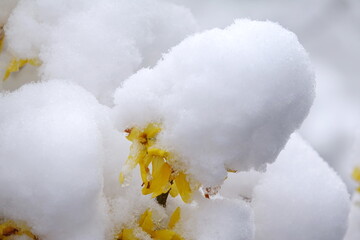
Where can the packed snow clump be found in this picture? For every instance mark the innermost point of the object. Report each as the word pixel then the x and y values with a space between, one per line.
pixel 300 197
pixel 51 152
pixel 226 99
pixel 96 44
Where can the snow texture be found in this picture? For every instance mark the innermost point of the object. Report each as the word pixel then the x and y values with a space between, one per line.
pixel 219 219
pixel 227 99
pixel 240 185
pixel 51 153
pixel 96 44
pixel 353 232
pixel 300 198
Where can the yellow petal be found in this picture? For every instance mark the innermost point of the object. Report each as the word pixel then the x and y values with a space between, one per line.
pixel 145 173
pixel 34 62
pixel 13 66
pixel 152 130
pixel 121 178
pixel 126 234
pixel 174 191
pixel 164 234
pixel 16 64
pixel 161 177
pixel 356 174
pixel 1 44
pixel 146 222
pixel 2 37
pixel 133 134
pixel 146 189
pixel 10 228
pixel 157 152
pixel 140 155
pixel 183 187
pixel 175 217
pixel 177 237
pixel 157 163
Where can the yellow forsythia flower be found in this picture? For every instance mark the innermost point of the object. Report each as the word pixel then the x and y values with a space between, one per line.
pixel 2 37
pixel 146 223
pixel 16 64
pixel 356 176
pixel 161 177
pixel 10 229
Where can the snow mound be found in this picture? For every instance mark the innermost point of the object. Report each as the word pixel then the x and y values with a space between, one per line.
pixel 51 153
pixel 353 232
pixel 226 99
pixel 219 219
pixel 300 198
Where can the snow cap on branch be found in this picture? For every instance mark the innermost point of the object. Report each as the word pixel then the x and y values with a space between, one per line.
pixel 227 99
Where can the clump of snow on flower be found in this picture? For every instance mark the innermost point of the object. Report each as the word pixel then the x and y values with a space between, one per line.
pixel 51 152
pixel 96 43
pixel 300 197
pixel 227 99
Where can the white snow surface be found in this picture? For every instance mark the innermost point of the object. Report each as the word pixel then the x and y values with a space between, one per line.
pixel 218 219
pixel 353 232
pixel 96 44
pixel 240 185
pixel 51 161
pixel 227 99
pixel 300 197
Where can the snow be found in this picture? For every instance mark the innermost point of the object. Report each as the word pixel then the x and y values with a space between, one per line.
pixel 50 147
pixel 219 219
pixel 110 39
pixel 353 232
pixel 300 197
pixel 226 98
pixel 240 185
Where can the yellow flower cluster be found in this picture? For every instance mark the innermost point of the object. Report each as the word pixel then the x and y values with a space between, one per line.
pixel 147 224
pixel 162 178
pixel 9 229
pixel 356 176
